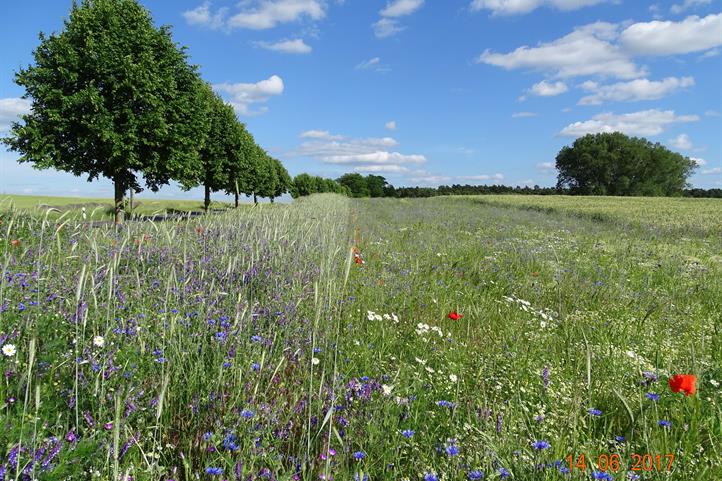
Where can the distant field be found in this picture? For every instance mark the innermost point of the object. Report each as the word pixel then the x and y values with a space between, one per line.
pixel 684 216
pixel 98 208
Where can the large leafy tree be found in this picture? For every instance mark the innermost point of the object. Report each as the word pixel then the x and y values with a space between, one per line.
pixel 112 96
pixel 356 184
pixel 220 140
pixel 262 181
pixel 615 164
pixel 283 180
pixel 240 164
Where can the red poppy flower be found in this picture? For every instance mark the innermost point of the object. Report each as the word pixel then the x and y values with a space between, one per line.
pixel 685 383
pixel 454 316
pixel 15 242
pixel 359 260
pixel 199 230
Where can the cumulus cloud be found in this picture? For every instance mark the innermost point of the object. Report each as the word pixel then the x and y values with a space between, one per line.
pixel 642 123
pixel 634 90
pixel 693 34
pixel 516 7
pixel 389 24
pixel 391 125
pixel 681 142
pixel 296 46
pixel 608 50
pixel 10 111
pixel 698 161
pixel 244 95
pixel 588 50
pixel 257 14
pixel 203 16
pixel 548 89
pixel 381 169
pixel 374 154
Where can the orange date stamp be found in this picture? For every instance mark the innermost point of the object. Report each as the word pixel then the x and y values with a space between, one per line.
pixel 615 462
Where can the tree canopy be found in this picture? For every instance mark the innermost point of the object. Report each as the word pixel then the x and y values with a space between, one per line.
pixel 112 96
pixel 615 164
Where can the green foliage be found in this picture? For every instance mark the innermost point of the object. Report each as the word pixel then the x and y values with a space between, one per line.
pixel 356 183
pixel 614 164
pixel 112 96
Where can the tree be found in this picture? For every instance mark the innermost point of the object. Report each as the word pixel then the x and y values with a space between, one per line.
pixel 112 96
pixel 240 163
pixel 263 179
pixel 356 183
pixel 615 164
pixel 284 180
pixel 376 184
pixel 303 185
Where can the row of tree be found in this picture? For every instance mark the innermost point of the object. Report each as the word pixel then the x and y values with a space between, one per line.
pixel 113 96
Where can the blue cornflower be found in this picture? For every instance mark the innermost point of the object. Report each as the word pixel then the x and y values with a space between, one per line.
pixel 594 412
pixel 539 445
pixel 650 375
pixel 602 475
pixel 227 364
pixel 247 414
pixel 445 404
pixel 207 435
pixel 431 477
pixel 452 450
pixel 21 307
pixel 652 396
pixel 214 471
pixel 619 439
pixel 664 423
pixel 357 478
pixel 255 366
pixel 229 442
pixel 256 338
pixel 475 475
pixel 503 473
pixel 161 360
pixel 316 350
pixel 407 433
pixel 358 455
pixel 563 469
pixel 633 476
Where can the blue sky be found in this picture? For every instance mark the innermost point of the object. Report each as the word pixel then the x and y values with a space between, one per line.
pixel 426 92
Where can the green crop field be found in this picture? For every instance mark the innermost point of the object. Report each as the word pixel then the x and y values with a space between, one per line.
pixel 96 208
pixel 450 338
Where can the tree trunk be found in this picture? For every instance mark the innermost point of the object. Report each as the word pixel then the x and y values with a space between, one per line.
pixel 271 200
pixel 119 199
pixel 255 199
pixel 207 199
pixel 236 200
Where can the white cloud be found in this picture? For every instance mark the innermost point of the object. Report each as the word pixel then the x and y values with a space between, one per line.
pixel 643 123
pixel 386 27
pixel 203 16
pixel 375 169
pixel 693 34
pixel 423 177
pixel 715 170
pixel 608 50
pixel 712 113
pixel 297 46
pixel 319 134
pixel 374 154
pixel 698 161
pixel 546 167
pixel 244 95
pixel 401 8
pixel 634 90
pixel 515 7
pixel 256 14
pixel 548 89
pixel 586 51
pixel 388 24
pixel 391 125
pixel 681 142
pixel 10 111
pixel 521 115
pixel 687 4
pixel 373 64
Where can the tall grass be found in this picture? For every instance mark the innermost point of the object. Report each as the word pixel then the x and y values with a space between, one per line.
pixel 258 345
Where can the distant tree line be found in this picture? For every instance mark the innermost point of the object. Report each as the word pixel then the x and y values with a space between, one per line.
pixel 596 164
pixel 113 96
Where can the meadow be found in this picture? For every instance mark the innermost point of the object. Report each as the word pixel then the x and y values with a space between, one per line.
pixel 452 338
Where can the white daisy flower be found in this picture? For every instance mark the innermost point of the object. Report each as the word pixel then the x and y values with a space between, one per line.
pixel 98 341
pixel 9 350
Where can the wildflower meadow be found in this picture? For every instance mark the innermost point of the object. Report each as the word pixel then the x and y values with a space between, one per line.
pixel 454 338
